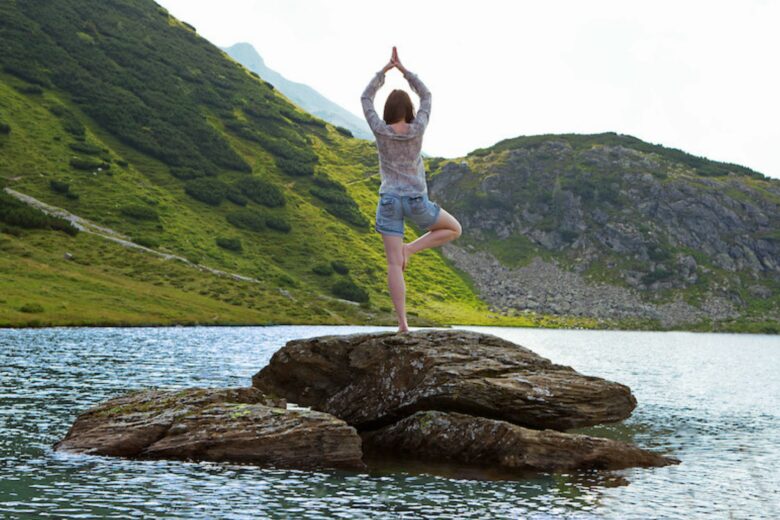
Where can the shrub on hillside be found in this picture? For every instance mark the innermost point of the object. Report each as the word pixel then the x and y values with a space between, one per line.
pixel 338 202
pixel 139 212
pixel 146 241
pixel 16 213
pixel 88 163
pixel 235 196
pixel 34 90
pixel 349 214
pixel 656 276
pixel 339 266
pixel 59 186
pixel 568 235
pixel 348 290
pixel 278 223
pixel 5 128
pixel 658 253
pixel 301 117
pixel 89 149
pixel 193 171
pixel 231 244
pixel 331 195
pixel 26 72
pixel 294 167
pixel 326 182
pixel 344 131
pixel 207 189
pixel 31 308
pixel 70 123
pixel 10 230
pixel 322 269
pixel 185 172
pixel 434 163
pixel 261 191
pixel 250 219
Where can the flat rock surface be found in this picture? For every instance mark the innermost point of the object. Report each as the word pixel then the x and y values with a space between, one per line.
pixel 455 437
pixel 373 379
pixel 217 424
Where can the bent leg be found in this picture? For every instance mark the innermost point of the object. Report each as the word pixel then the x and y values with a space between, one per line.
pixel 445 229
pixel 395 277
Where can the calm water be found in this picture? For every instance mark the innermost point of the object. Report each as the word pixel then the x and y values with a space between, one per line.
pixel 711 400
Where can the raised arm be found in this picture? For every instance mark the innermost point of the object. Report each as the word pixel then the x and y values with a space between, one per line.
pixel 424 112
pixel 367 100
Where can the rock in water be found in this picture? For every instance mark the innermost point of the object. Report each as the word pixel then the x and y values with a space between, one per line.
pixel 432 395
pixel 217 424
pixel 371 380
pixel 455 437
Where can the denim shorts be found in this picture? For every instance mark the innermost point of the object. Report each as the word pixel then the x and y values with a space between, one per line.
pixel 392 208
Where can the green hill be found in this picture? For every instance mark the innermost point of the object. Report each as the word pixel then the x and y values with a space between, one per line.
pixel 120 114
pixel 609 226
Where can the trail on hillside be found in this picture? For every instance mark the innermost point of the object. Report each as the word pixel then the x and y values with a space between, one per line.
pixel 87 226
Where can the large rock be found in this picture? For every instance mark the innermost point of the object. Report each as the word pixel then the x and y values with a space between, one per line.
pixel 371 380
pixel 228 424
pixel 465 439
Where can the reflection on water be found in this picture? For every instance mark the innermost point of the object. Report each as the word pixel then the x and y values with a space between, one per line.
pixel 712 400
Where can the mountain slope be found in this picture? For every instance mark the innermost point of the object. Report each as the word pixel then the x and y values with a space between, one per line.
pixel 610 226
pixel 299 93
pixel 121 114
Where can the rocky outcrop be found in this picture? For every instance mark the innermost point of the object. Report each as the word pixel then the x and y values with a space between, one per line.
pixel 230 424
pixel 544 287
pixel 454 396
pixel 448 396
pixel 370 380
pixel 609 227
pixel 465 439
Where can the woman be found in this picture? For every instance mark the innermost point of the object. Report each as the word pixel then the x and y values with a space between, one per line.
pixel 403 191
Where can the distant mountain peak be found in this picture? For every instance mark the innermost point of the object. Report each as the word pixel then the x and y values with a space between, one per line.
pixel 299 93
pixel 246 54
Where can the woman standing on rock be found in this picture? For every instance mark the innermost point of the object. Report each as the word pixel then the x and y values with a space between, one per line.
pixel 404 191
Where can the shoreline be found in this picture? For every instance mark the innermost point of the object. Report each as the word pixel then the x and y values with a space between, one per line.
pixel 445 326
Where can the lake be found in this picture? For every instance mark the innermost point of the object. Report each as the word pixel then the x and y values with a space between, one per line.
pixel 712 400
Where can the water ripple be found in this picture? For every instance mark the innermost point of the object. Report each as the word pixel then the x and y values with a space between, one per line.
pixel 711 400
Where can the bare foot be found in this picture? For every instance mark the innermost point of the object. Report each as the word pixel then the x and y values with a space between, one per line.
pixel 403 329
pixel 407 254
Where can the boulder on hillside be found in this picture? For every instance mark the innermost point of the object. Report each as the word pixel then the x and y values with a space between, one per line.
pixel 465 439
pixel 216 424
pixel 374 379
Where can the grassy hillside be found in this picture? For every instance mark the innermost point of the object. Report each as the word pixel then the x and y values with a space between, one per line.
pixel 123 115
pixel 118 113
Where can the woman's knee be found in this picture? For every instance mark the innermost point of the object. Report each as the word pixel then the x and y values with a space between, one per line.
pixel 457 230
pixel 447 221
pixel 395 259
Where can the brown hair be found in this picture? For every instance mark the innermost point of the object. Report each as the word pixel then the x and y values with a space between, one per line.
pixel 398 106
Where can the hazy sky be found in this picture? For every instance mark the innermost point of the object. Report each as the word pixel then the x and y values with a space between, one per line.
pixel 697 75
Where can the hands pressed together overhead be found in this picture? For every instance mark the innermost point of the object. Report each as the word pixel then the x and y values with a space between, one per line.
pixel 394 62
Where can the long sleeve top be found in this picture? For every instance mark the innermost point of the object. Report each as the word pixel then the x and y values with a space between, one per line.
pixel 401 166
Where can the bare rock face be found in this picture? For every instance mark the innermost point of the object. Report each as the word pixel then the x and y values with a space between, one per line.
pixel 218 424
pixel 465 439
pixel 372 380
